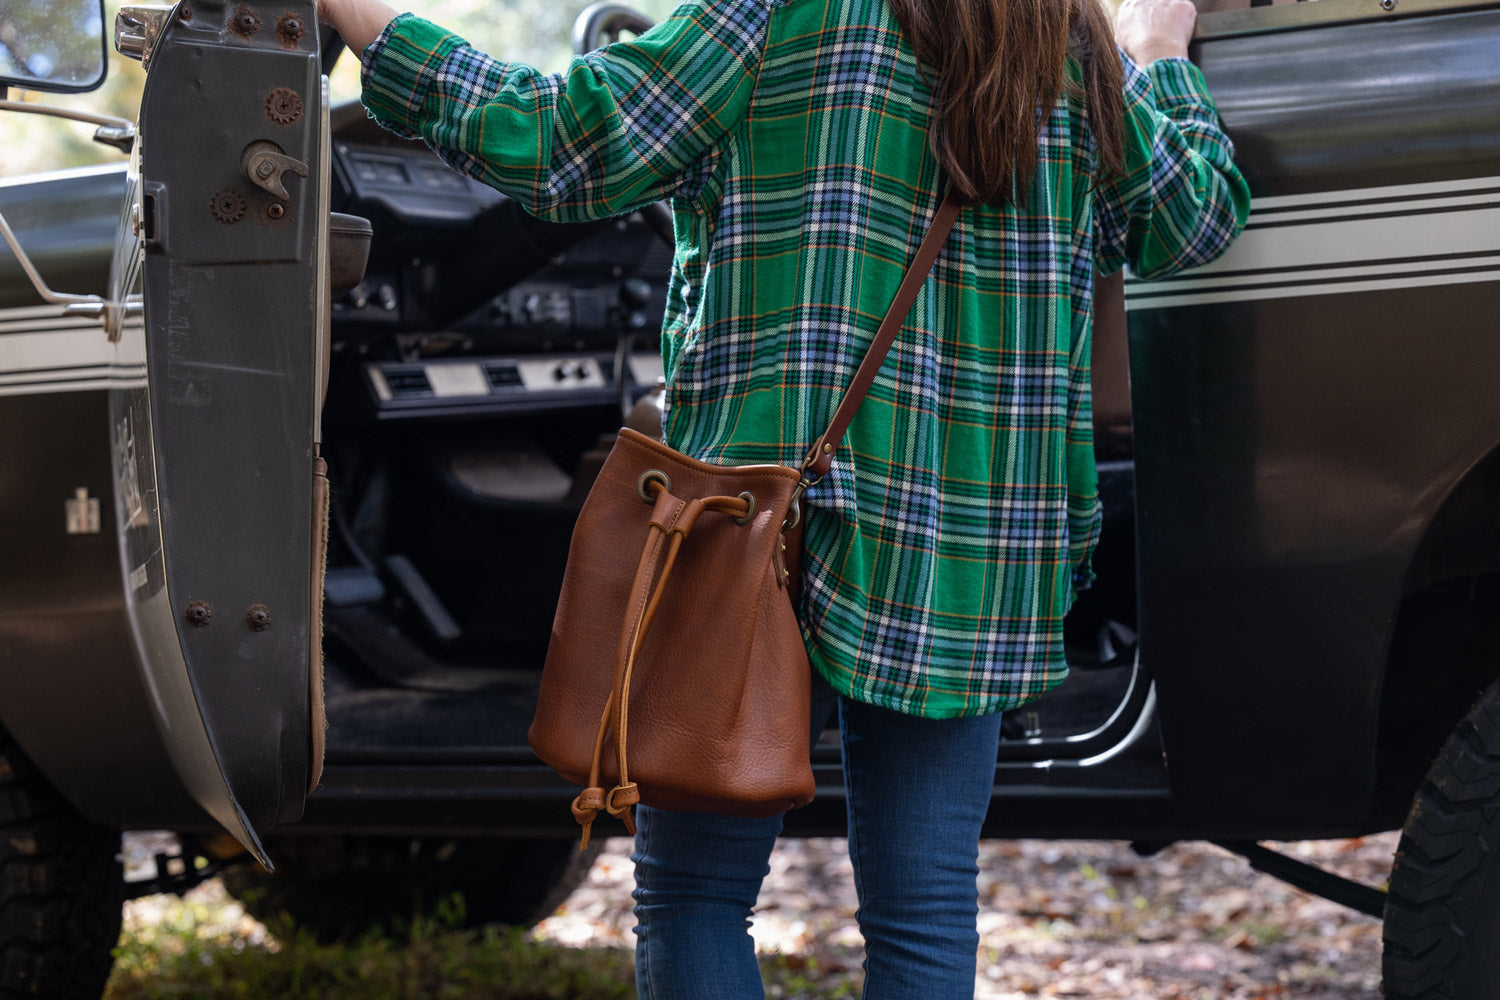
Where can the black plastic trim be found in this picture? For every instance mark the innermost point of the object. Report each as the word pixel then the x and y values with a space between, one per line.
pixel 1346 892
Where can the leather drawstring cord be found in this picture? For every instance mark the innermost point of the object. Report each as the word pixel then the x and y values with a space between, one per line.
pixel 671 520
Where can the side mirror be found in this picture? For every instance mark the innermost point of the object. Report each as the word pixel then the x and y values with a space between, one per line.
pixel 56 46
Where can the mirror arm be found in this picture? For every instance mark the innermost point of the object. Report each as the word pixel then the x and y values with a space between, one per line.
pixel 112 131
pixel 83 305
pixel 117 132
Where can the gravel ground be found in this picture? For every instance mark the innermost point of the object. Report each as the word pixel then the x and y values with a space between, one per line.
pixel 1081 919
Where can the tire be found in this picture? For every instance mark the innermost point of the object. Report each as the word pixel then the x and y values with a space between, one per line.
pixel 1442 918
pixel 59 890
pixel 343 887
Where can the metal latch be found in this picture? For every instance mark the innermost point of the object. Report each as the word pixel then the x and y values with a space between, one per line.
pixel 265 164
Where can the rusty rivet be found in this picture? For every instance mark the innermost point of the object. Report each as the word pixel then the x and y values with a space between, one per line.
pixel 244 22
pixel 258 617
pixel 276 211
pixel 199 613
pixel 289 30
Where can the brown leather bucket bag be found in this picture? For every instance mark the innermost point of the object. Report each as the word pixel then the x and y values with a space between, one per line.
pixel 705 689
pixel 677 674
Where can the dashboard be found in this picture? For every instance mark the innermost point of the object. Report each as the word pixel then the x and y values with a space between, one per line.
pixel 471 306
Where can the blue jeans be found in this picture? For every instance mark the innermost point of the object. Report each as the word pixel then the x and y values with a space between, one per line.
pixel 917 792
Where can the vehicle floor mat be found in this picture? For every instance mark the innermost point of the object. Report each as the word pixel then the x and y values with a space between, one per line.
pixel 372 642
pixel 366 718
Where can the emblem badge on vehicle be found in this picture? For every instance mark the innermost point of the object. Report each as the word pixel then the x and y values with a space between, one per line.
pixel 83 513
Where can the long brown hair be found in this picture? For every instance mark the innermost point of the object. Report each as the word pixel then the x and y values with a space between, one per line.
pixel 1000 66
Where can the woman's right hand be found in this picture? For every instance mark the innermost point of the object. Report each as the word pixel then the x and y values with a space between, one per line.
pixel 1155 29
pixel 359 22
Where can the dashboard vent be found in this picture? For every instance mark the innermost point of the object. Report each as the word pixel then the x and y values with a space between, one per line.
pixel 503 377
pixel 407 382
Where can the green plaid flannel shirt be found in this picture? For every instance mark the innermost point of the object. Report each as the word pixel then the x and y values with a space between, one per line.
pixel 790 137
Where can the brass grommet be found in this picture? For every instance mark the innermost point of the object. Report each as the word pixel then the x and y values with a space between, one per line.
pixel 645 478
pixel 749 499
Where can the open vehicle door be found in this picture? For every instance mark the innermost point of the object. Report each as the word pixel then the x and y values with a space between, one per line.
pixel 220 501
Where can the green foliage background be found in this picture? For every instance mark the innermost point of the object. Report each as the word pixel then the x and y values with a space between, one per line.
pixel 532 31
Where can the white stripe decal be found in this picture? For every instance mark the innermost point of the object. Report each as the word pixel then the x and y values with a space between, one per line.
pixel 82 385
pixel 1318 275
pixel 1295 291
pixel 1263 217
pixel 42 351
pixel 1335 248
pixel 1392 193
pixel 60 324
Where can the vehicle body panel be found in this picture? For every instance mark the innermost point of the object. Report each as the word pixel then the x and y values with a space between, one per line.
pixel 68 691
pixel 64 637
pixel 1304 405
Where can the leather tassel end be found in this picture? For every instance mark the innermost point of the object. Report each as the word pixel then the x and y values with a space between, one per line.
pixel 585 807
pixel 620 803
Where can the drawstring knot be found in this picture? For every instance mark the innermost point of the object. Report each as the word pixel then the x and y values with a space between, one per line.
pixel 671 520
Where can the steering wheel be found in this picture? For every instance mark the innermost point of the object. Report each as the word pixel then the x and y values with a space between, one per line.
pixel 602 23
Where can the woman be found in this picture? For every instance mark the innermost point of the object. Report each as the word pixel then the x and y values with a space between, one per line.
pixel 804 145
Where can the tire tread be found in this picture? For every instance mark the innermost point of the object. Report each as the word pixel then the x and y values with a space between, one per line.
pixel 1445 854
pixel 59 890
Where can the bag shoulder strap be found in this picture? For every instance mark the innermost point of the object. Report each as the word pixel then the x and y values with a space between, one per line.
pixel 820 458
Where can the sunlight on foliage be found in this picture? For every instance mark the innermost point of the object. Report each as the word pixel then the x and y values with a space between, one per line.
pixel 204 945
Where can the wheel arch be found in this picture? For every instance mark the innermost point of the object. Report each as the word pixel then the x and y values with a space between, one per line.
pixel 1463 538
pixel 1445 643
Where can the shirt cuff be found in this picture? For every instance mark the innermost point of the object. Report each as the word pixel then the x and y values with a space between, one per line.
pixel 398 70
pixel 1176 80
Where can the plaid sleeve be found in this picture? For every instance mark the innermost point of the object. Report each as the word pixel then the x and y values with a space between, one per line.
pixel 622 127
pixel 1180 200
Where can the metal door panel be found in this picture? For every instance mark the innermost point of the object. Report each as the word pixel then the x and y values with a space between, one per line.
pixel 214 454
